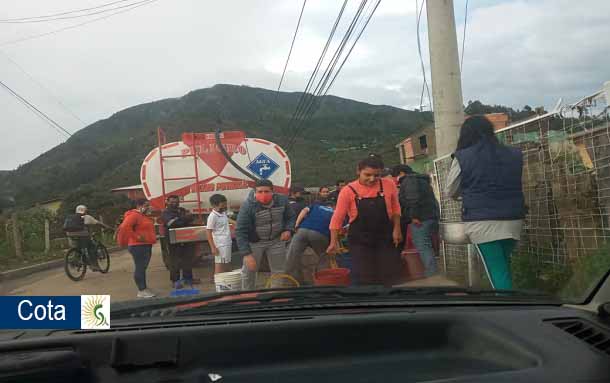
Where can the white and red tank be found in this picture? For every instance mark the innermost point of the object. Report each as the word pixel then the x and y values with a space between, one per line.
pixel 195 168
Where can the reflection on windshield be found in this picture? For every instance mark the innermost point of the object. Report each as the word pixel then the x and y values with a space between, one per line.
pixel 235 188
pixel 520 207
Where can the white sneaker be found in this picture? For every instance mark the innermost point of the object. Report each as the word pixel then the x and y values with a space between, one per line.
pixel 146 293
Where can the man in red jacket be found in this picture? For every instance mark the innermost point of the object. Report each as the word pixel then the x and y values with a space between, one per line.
pixel 139 231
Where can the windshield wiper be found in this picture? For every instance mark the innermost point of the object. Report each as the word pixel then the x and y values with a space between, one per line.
pixel 323 295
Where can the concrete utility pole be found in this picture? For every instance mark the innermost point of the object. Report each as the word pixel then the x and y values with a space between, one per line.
pixel 446 76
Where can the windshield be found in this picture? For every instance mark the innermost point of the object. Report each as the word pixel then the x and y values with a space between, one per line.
pixel 158 149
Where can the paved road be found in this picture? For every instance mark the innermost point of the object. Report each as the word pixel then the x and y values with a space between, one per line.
pixel 118 282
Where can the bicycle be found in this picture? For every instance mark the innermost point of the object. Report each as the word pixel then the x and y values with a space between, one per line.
pixel 75 263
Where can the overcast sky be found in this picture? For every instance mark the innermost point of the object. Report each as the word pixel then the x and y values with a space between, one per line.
pixel 517 53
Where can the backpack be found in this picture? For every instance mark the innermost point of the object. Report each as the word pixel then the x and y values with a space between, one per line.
pixel 74 222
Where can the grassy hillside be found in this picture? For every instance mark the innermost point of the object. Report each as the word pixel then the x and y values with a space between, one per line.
pixel 109 152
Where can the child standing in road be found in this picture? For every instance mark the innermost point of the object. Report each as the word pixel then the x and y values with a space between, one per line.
pixel 219 234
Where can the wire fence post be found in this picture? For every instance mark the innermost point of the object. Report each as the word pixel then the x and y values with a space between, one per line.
pixel 47 236
pixel 16 236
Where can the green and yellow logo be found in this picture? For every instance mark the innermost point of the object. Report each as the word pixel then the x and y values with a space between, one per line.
pixel 93 311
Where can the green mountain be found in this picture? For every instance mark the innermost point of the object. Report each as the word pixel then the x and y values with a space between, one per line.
pixel 109 152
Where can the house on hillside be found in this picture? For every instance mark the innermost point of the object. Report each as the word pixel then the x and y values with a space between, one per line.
pixel 419 148
pixel 419 145
pixel 52 205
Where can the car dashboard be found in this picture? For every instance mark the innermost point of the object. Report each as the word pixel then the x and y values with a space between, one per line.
pixel 457 343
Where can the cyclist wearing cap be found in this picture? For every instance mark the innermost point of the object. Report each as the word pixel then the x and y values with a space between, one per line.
pixel 77 226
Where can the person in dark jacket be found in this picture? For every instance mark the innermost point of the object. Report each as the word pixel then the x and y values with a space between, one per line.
pixel 297 202
pixel 419 209
pixel 338 187
pixel 181 255
pixel 264 226
pixel 487 176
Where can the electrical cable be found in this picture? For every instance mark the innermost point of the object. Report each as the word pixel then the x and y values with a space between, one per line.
pixel 464 37
pixel 73 16
pixel 421 58
pixel 309 108
pixel 324 89
pixel 44 88
pixel 37 111
pixel 314 73
pixel 303 99
pixel 66 12
pixel 32 37
pixel 290 51
pixel 305 102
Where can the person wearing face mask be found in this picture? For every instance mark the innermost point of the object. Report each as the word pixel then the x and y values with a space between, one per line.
pixel 265 224
pixel 181 255
pixel 371 203
pixel 139 232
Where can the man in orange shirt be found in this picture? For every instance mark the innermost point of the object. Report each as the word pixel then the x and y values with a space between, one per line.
pixel 371 202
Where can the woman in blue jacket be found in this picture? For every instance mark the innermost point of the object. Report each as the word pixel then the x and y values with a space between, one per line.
pixel 487 175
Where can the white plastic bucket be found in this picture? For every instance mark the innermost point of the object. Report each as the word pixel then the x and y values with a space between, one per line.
pixel 230 281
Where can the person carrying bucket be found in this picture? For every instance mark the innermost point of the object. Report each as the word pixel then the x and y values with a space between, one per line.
pixel 264 226
pixel 374 233
pixel 311 231
pixel 487 175
pixel 419 209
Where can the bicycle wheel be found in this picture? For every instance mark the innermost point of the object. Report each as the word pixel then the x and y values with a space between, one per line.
pixel 103 258
pixel 74 265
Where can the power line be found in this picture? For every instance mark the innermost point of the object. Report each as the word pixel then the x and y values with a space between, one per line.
pixel 66 12
pixel 308 106
pixel 75 25
pixel 303 100
pixel 425 87
pixel 73 16
pixel 308 118
pixel 37 111
pixel 324 88
pixel 315 71
pixel 464 37
pixel 290 51
pixel 44 88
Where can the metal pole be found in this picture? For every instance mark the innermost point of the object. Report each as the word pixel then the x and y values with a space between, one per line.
pixel 446 77
pixel 474 276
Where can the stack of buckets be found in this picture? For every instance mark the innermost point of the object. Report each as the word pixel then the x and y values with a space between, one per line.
pixel 230 281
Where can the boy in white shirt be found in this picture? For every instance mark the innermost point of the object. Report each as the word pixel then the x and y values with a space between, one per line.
pixel 219 234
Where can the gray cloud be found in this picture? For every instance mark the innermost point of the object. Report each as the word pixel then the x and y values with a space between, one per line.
pixel 517 53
